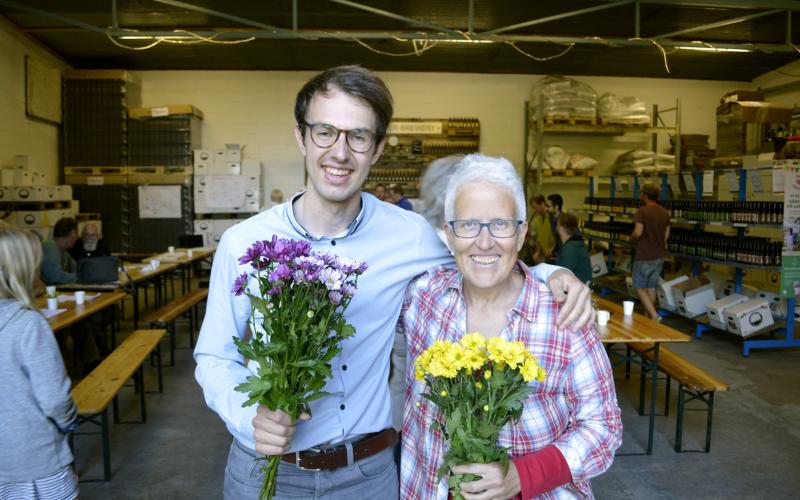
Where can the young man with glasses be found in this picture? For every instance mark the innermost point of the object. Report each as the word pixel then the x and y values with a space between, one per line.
pixel 346 448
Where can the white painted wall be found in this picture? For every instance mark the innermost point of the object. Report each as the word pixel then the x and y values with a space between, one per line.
pixel 786 74
pixel 20 135
pixel 255 108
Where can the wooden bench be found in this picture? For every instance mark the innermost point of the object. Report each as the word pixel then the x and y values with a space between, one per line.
pixel 165 317
pixel 101 387
pixel 694 383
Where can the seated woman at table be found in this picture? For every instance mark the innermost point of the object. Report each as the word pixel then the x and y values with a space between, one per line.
pixel 36 408
pixel 570 425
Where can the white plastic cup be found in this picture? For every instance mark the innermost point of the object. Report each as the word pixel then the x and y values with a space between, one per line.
pixel 155 263
pixel 171 249
pixel 627 307
pixel 52 303
pixel 51 291
pixel 80 296
pixel 190 253
pixel 602 317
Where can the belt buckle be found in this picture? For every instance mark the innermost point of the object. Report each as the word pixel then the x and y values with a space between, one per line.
pixel 297 463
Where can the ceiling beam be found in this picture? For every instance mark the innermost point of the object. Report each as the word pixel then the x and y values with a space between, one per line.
pixel 719 24
pixel 415 22
pixel 55 17
pixel 556 17
pixel 729 4
pixel 221 15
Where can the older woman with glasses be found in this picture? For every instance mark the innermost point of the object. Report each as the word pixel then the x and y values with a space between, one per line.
pixel 570 425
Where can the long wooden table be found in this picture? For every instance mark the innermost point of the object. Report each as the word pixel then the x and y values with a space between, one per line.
pixel 182 259
pixel 75 313
pixel 635 329
pixel 129 281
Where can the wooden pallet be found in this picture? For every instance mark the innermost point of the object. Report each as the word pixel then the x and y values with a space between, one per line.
pixel 572 120
pixel 95 176
pixel 727 162
pixel 623 122
pixel 566 173
pixel 159 175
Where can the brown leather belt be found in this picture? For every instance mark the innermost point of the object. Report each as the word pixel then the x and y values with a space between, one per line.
pixel 337 457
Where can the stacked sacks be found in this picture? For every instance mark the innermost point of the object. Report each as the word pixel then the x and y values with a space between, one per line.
pixel 639 161
pixel 563 98
pixel 627 110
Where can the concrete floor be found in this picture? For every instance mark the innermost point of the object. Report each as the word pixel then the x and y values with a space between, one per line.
pixel 755 453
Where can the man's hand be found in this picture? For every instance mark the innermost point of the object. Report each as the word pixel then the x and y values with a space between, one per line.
pixel 492 485
pixel 577 310
pixel 274 430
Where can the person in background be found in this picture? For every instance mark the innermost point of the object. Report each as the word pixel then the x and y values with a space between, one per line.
pixel 573 253
pixel 432 185
pixel 342 115
pixel 650 234
pixel 380 192
pixel 554 209
pixel 90 244
pixel 570 424
pixel 58 266
pixel 397 196
pixel 36 408
pixel 543 235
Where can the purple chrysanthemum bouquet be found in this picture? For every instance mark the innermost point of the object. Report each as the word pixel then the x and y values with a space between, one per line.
pixel 297 301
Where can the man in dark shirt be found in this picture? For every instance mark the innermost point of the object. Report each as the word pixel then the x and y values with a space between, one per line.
pixel 572 253
pixel 89 244
pixel 397 196
pixel 650 235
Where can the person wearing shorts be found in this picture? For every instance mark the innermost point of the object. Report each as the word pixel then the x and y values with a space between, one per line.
pixel 650 234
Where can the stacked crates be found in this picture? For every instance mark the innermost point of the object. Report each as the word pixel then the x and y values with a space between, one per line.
pixel 95 116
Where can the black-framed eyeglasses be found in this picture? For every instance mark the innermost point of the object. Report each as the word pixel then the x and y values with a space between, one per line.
pixel 499 228
pixel 325 136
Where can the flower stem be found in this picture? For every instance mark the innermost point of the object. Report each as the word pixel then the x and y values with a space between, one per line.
pixel 270 471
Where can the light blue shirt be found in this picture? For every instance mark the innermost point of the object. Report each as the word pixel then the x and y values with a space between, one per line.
pixel 397 245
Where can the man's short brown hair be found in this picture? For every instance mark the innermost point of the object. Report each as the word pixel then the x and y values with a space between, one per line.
pixel 569 222
pixel 651 191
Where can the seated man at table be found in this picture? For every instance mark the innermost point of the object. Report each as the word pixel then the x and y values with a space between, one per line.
pixel 90 244
pixel 58 266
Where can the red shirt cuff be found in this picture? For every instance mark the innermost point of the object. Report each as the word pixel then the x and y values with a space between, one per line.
pixel 542 471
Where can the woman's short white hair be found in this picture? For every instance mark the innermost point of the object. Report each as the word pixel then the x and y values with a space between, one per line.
pixel 481 168
pixel 20 255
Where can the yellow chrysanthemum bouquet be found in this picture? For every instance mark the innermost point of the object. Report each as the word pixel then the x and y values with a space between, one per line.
pixel 479 385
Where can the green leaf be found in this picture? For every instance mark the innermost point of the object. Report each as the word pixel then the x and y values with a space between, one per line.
pixel 315 396
pixel 305 363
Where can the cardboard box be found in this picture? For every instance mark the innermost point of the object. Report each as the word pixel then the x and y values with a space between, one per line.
pixel 251 168
pixel 29 193
pixel 756 112
pixel 664 292
pixel 233 152
pixel 749 318
pixel 7 177
pixel 226 194
pixel 692 296
pixel 63 192
pixel 42 232
pixel 172 109
pixel 716 309
pixel 742 95
pixel 598 262
pixel 37 218
pixel 6 193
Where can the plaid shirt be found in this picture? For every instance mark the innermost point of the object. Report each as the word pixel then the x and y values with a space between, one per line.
pixel 575 408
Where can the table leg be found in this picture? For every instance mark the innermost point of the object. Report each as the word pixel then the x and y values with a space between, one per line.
pixel 653 393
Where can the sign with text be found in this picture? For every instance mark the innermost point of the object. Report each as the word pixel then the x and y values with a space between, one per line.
pixel 415 128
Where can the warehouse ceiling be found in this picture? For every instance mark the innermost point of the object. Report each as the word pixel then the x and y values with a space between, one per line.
pixel 712 39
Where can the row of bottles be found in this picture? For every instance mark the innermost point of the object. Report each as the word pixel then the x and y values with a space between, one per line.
pixel 750 250
pixel 463 126
pixel 613 230
pixel 749 212
pixel 614 205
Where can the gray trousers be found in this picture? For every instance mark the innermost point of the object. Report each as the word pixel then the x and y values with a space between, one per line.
pixel 366 478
